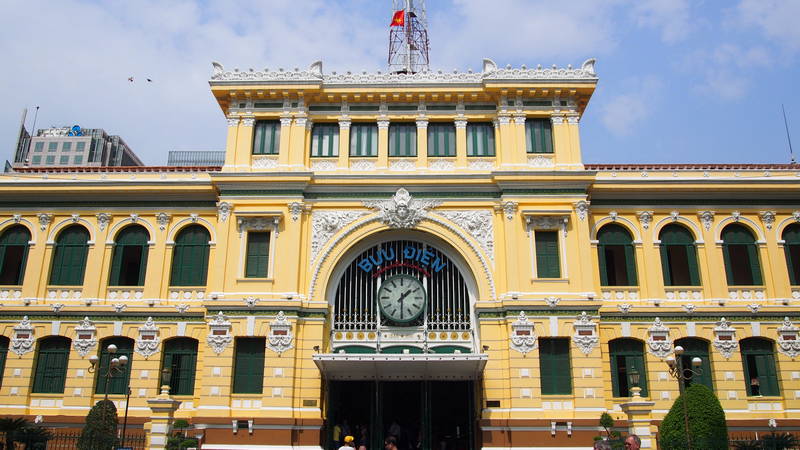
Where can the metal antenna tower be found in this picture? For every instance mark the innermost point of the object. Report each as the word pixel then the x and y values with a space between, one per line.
pixel 408 37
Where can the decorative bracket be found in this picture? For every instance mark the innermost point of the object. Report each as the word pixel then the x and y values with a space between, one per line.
pixel 523 338
pixel 86 338
pixel 585 333
pixel 725 338
pixel 22 342
pixel 280 334
pixel 148 341
pixel 219 334
pixel 788 342
pixel 658 341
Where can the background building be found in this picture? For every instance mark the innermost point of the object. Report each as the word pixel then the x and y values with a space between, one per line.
pixel 196 158
pixel 426 249
pixel 72 146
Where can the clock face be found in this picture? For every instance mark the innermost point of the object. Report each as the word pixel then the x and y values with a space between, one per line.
pixel 402 298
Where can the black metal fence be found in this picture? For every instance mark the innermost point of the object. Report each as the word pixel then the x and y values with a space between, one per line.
pixel 61 439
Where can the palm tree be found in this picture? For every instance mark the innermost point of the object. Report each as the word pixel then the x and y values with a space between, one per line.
pixel 12 428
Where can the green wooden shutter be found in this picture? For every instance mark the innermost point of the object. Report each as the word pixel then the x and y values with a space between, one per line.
pixel 791 247
pixel 257 260
pixel 3 356
pixel 266 137
pixel 180 356
pixel 791 263
pixel 190 257
pixel 325 140
pixel 625 354
pixel 665 269
pixel 547 258
pixel 755 267
pixel 480 139
pixel 601 262
pixel 441 139
pixel 402 139
pixel 538 136
pixel 694 272
pixel 726 255
pixel 630 265
pixel 556 376
pixel 637 361
pixel 51 365
pixel 364 139
pixel 248 370
pixel 14 240
pixel 69 257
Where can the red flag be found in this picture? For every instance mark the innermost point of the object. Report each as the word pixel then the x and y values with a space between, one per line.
pixel 398 19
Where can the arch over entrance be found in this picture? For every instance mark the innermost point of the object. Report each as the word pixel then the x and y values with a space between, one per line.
pixel 402 292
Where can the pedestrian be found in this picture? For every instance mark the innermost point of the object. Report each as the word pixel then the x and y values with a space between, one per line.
pixel 632 442
pixel 601 445
pixel 337 436
pixel 362 440
pixel 755 387
pixel 390 443
pixel 348 443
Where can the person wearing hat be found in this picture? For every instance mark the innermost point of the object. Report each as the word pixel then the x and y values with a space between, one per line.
pixel 348 443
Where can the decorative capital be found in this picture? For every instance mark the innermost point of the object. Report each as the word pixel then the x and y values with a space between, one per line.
pixel 461 123
pixel 519 119
pixel 768 218
pixel 557 120
pixel 581 208
pixel 508 207
pixel 504 120
pixel 103 219
pixel 383 123
pixel 422 123
pixel 233 121
pixel 286 121
pixel 248 121
pixel 224 210
pixel 44 220
pixel 402 211
pixel 645 218
pixel 297 208
pixel 162 219
pixel 707 218
pixel 344 123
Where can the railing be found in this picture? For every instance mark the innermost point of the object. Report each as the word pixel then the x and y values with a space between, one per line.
pixel 61 439
pixel 620 292
pixel 683 292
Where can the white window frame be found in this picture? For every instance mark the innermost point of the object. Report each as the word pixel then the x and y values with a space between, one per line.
pixel 258 222
pixel 544 221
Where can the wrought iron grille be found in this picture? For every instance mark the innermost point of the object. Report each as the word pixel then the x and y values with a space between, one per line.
pixel 355 304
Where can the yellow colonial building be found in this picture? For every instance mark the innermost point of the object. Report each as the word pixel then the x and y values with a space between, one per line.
pixel 422 254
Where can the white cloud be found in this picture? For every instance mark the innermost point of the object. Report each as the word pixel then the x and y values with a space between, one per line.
pixel 622 113
pixel 671 17
pixel 776 19
pixel 726 70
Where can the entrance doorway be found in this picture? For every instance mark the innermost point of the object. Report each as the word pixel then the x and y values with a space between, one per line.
pixel 428 415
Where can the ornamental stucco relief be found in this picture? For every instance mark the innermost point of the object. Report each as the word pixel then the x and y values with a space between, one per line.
pixel 478 224
pixel 325 224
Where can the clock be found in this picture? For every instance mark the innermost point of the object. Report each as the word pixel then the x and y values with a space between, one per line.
pixel 402 298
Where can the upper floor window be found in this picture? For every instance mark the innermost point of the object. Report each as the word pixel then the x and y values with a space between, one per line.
pixel 257 262
pixel 616 257
pixel 13 254
pixel 548 264
pixel 538 136
pixel 402 139
pixel 740 252
pixel 364 139
pixel 266 139
pixel 66 147
pixel 129 261
pixel 791 245
pixel 52 146
pixel 758 358
pixel 325 140
pixel 50 372
pixel 441 139
pixel 480 139
pixel 190 257
pixel 678 257
pixel 69 256
pixel 80 146
pixel 626 355
pixel 39 146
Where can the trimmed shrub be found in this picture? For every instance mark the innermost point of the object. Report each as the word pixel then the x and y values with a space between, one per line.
pixel 707 425
pixel 100 431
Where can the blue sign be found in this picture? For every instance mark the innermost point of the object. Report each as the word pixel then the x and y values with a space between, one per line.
pixel 415 255
pixel 75 131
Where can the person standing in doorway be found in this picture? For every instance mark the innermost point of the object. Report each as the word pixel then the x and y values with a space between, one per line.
pixel 336 436
pixel 348 443
pixel 755 387
pixel 390 443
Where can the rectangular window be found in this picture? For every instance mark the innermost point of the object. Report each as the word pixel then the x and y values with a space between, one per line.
pixel 51 159
pixel 441 139
pixel 248 369
pixel 64 159
pixel 52 146
pixel 554 365
pixel 66 147
pixel 539 136
pixel 38 147
pixel 403 139
pixel 364 139
pixel 325 140
pixel 78 159
pixel 547 260
pixel 266 140
pixel 80 146
pixel 480 139
pixel 37 159
pixel 257 262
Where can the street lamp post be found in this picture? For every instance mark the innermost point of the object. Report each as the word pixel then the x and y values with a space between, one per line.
pixel 682 374
pixel 115 365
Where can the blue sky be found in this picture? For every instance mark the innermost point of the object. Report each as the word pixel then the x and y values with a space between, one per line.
pixel 680 80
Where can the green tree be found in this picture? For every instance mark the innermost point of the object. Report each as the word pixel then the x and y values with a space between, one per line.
pixel 100 431
pixel 707 427
pixel 12 428
pixel 779 441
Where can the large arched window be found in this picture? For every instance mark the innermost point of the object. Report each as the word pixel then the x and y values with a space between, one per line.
pixel 129 262
pixel 616 258
pixel 627 354
pixel 694 347
pixel 118 383
pixel 180 358
pixel 741 256
pixel 3 354
pixel 50 372
pixel 190 257
pixel 791 239
pixel 678 257
pixel 13 255
pixel 69 256
pixel 758 358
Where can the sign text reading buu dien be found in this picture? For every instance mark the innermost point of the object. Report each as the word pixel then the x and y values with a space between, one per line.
pixel 410 253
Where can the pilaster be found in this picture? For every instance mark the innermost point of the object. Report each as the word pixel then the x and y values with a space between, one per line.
pixel 461 142
pixel 244 144
pixel 422 142
pixel 383 142
pixel 283 145
pixel 344 142
pixel 230 144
